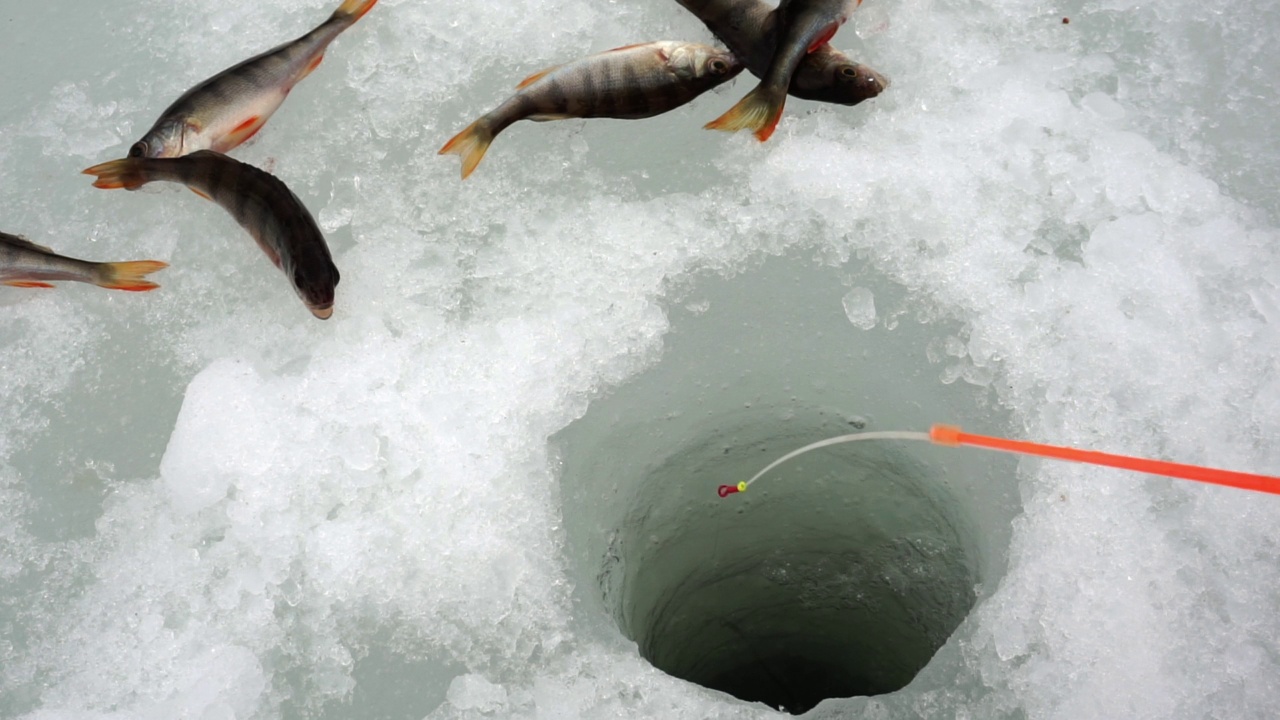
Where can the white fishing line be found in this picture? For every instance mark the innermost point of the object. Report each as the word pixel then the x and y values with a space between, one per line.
pixel 840 440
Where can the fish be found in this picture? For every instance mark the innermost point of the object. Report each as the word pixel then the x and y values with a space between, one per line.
pixel 629 82
pixel 28 265
pixel 231 107
pixel 749 28
pixel 263 205
pixel 802 27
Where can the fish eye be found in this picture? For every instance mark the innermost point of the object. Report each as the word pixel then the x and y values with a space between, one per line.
pixel 138 150
pixel 849 72
pixel 718 67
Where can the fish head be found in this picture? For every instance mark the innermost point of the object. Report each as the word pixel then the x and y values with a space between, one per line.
pixel 315 283
pixel 695 61
pixel 832 77
pixel 166 140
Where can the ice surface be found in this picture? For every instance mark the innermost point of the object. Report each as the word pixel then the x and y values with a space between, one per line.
pixel 213 505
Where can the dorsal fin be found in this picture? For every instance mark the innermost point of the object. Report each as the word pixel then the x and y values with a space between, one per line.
pixel 539 75
pixel 536 77
pixel 657 48
pixel 23 242
pixel 628 47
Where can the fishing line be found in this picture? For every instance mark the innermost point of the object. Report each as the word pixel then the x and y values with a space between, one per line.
pixel 953 436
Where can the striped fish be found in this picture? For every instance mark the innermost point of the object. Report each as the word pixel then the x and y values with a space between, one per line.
pixel 230 107
pixel 258 200
pixel 802 27
pixel 26 264
pixel 631 82
pixel 750 29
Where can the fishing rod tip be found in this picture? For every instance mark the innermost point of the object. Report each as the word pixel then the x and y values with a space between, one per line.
pixel 945 434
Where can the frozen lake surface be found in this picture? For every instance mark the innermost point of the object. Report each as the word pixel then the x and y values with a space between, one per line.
pixel 213 505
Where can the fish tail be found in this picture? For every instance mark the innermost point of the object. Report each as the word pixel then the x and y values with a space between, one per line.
pixel 126 173
pixel 128 275
pixel 471 144
pixel 353 10
pixel 758 112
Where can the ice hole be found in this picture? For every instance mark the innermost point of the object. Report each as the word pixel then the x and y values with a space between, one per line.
pixel 838 575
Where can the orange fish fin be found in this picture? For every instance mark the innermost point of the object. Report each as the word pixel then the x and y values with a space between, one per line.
pixel 766 132
pixel 249 137
pixel 311 66
pixel 662 54
pixel 126 173
pixel 245 130
pixel 535 77
pixel 758 112
pixel 627 47
pixel 26 284
pixel 824 37
pixel 247 124
pixel 129 275
pixel 201 193
pixel 355 9
pixel 471 144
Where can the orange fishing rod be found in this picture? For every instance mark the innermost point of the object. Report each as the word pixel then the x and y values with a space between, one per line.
pixel 952 436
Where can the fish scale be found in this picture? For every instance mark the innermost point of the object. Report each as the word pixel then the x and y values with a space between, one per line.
pixel 26 264
pixel 802 27
pixel 229 108
pixel 263 205
pixel 630 82
pixel 749 29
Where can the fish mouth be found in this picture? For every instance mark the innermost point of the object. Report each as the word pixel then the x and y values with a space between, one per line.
pixel 321 311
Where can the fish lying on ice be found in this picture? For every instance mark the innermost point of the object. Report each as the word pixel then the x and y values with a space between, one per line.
pixel 230 107
pixel 631 82
pixel 258 200
pixel 802 27
pixel 26 264
pixel 750 29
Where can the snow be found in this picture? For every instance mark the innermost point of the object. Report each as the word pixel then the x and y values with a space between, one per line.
pixel 213 505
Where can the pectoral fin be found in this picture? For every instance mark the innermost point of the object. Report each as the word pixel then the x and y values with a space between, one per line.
pixel 271 254
pixel 823 37
pixel 245 130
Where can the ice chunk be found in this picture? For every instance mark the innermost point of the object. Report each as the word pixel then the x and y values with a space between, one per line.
pixel 474 692
pixel 860 306
pixel 1104 106
pixel 205 454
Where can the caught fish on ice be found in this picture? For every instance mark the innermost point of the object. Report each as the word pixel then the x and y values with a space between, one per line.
pixel 750 30
pixel 26 264
pixel 629 83
pixel 803 26
pixel 263 205
pixel 230 107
